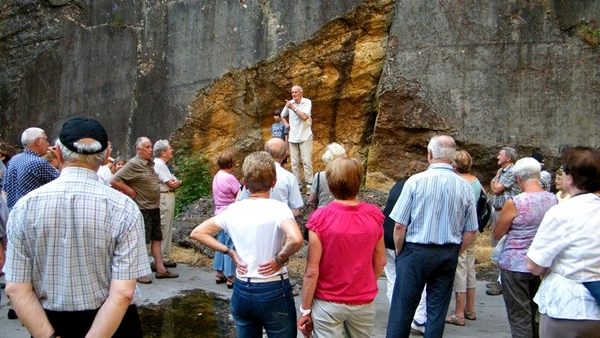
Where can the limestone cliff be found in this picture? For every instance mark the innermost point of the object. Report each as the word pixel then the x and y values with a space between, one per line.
pixel 339 69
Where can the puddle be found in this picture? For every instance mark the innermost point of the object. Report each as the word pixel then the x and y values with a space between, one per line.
pixel 193 314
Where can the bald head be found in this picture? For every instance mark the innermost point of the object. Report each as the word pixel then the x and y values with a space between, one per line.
pixel 276 148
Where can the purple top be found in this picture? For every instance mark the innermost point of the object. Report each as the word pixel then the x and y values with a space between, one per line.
pixel 531 208
pixel 225 188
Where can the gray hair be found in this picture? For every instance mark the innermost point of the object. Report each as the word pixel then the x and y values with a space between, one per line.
pixel 30 135
pixel 299 88
pixel 159 147
pixel 527 168
pixel 138 142
pixel 333 151
pixel 89 159
pixel 442 147
pixel 510 152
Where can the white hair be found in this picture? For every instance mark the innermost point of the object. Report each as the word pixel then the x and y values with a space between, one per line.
pixel 90 159
pixel 442 147
pixel 333 151
pixel 30 135
pixel 140 140
pixel 527 168
pixel 159 147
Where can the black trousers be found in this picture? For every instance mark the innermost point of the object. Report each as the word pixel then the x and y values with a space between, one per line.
pixel 76 324
pixel 417 266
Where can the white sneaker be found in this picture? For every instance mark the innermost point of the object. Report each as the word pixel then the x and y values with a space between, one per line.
pixel 417 329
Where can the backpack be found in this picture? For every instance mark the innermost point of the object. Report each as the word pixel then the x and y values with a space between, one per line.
pixel 484 211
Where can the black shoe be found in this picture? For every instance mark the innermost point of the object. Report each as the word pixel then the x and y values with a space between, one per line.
pixel 12 314
pixel 2 286
pixel 495 290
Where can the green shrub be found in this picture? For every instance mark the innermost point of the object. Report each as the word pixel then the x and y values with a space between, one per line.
pixel 589 33
pixel 192 168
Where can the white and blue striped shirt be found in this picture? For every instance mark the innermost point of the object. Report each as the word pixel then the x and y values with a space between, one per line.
pixel 437 206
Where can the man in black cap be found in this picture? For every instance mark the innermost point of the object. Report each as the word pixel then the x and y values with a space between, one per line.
pixel 76 247
pixel 545 176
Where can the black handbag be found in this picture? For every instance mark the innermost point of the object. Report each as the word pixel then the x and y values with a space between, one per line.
pixel 594 289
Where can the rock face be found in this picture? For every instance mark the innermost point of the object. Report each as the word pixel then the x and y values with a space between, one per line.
pixel 384 75
pixel 339 69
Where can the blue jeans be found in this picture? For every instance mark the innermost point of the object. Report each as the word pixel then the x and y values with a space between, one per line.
pixel 223 262
pixel 416 266
pixel 269 305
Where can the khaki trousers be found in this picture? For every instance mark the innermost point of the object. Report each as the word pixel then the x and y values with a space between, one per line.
pixel 167 213
pixel 302 150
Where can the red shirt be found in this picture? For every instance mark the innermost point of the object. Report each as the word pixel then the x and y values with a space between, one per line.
pixel 348 236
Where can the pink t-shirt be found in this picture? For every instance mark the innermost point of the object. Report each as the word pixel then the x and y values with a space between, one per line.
pixel 225 188
pixel 348 236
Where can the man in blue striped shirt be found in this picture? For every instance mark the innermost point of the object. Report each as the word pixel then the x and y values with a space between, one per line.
pixel 436 219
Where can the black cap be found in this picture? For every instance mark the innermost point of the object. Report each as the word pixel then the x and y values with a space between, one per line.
pixel 82 127
pixel 538 157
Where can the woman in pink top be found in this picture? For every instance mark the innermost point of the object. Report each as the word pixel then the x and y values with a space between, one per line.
pixel 346 255
pixel 225 189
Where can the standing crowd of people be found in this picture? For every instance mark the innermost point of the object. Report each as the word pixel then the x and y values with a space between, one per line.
pixel 78 233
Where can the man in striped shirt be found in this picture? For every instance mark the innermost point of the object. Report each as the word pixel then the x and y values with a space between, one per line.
pixel 436 219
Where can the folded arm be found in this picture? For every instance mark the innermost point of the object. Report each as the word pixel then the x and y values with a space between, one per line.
pixel 309 283
pixel 399 237
pixel 110 315
pixel 535 268
pixel 379 260
pixel 29 309
pixel 507 215
pixel 204 232
pixel 124 188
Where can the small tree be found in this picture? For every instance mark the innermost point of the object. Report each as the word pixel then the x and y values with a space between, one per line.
pixel 192 168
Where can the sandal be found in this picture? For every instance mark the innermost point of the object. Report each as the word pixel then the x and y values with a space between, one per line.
pixel 454 320
pixel 229 283
pixel 220 279
pixel 470 315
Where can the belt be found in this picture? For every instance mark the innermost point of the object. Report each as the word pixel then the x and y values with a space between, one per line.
pixel 166 192
pixel 498 209
pixel 276 278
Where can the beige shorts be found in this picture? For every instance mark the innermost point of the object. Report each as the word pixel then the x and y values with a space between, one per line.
pixel 465 270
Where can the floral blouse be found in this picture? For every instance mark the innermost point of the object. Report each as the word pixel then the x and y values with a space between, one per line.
pixel 531 208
